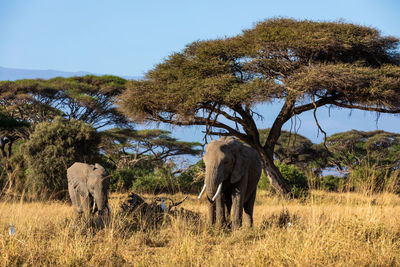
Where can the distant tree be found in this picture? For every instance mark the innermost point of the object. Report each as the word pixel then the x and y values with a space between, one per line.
pixel 350 149
pixel 51 149
pixel 11 130
pixel 304 64
pixel 129 147
pixel 89 98
pixel 295 149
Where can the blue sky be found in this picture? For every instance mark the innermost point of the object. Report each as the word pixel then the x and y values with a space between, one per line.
pixel 130 37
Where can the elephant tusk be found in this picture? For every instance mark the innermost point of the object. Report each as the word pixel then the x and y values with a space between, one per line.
pixel 108 207
pixel 202 191
pixel 218 191
pixel 94 206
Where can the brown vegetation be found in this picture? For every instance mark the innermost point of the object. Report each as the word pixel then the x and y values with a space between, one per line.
pixel 325 229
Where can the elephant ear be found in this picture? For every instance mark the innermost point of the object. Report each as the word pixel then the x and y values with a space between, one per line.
pixel 79 183
pixel 239 167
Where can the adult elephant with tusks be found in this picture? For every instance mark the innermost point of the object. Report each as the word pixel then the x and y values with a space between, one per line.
pixel 88 188
pixel 232 174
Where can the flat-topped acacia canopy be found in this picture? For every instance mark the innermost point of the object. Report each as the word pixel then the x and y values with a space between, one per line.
pixel 304 63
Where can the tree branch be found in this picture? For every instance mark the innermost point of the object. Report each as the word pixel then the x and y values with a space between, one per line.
pixel 321 102
pixel 377 109
pixel 200 121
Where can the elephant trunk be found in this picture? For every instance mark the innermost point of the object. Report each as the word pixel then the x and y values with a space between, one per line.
pixel 213 181
pixel 100 201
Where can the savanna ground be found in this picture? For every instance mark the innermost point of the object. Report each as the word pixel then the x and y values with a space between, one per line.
pixel 324 229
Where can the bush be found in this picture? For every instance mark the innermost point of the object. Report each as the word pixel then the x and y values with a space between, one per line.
pixel 332 183
pixel 160 180
pixel 264 183
pixel 51 149
pixel 368 178
pixel 296 178
pixel 122 179
pixel 191 180
pixel 293 175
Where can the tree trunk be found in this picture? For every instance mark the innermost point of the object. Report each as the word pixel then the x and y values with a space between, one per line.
pixel 274 175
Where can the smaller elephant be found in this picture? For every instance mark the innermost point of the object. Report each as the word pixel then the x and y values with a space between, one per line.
pixel 232 174
pixel 88 188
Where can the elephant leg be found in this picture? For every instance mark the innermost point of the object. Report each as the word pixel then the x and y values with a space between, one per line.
pixel 237 209
pixel 248 209
pixel 211 213
pixel 75 199
pixel 220 210
pixel 85 202
pixel 228 206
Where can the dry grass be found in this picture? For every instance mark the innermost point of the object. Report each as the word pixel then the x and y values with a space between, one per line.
pixel 326 229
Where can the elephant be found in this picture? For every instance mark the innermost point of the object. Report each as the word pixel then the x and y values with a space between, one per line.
pixel 88 187
pixel 233 170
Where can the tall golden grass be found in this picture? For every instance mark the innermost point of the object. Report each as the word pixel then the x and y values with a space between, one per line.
pixel 323 229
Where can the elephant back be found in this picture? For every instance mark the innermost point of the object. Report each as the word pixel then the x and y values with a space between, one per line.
pixel 79 169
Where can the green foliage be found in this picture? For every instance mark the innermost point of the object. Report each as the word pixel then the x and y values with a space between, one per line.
pixel 296 178
pixel 368 178
pixel 129 147
pixel 293 175
pixel 278 58
pixel 191 180
pixel 332 183
pixel 7 122
pixel 158 180
pixel 351 149
pixel 89 98
pixel 161 180
pixel 51 149
pixel 264 183
pixel 295 149
pixel 121 179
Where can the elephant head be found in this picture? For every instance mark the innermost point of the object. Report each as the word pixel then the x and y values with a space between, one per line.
pixel 88 187
pixel 224 163
pixel 98 183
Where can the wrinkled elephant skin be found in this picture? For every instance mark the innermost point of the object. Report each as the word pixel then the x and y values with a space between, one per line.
pixel 232 174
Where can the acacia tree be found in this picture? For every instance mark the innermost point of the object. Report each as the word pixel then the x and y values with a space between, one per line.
pixel 304 64
pixel 129 147
pixel 351 149
pixel 295 149
pixel 11 130
pixel 26 103
pixel 89 98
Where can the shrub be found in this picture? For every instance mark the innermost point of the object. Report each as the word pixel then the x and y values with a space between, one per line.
pixel 154 182
pixel 122 179
pixel 368 178
pixel 264 184
pixel 51 149
pixel 296 178
pixel 191 180
pixel 332 183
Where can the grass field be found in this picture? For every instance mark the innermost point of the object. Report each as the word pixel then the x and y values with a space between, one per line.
pixel 325 229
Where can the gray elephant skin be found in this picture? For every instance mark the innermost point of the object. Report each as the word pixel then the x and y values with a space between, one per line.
pixel 88 188
pixel 232 174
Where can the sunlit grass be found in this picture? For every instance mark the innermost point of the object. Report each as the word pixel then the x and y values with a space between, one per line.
pixel 324 229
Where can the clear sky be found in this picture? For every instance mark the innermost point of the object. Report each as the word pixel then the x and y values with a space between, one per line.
pixel 127 37
pixel 124 37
